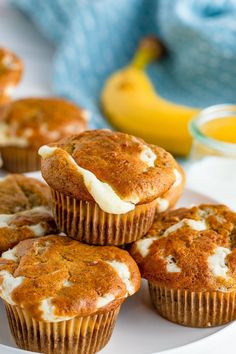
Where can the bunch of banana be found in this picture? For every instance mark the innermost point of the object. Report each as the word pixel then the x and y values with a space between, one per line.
pixel 132 105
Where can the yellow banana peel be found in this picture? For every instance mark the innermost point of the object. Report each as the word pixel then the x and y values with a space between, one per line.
pixel 132 105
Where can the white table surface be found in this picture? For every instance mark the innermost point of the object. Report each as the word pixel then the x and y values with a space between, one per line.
pixel 18 34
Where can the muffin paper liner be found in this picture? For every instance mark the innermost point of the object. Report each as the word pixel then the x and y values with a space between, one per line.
pixel 19 159
pixel 194 309
pixel 87 222
pixel 80 335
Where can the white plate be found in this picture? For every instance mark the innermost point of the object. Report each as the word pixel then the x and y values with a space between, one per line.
pixel 140 330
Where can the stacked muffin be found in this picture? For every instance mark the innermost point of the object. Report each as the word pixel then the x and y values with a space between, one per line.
pixel 111 187
pixel 63 293
pixel 106 189
pixel 107 186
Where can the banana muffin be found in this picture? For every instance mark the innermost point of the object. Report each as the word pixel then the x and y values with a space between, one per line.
pixel 24 210
pixel 63 296
pixel 31 122
pixel 11 68
pixel 171 197
pixel 105 185
pixel 189 260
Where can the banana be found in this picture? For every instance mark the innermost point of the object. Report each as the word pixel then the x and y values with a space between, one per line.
pixel 131 104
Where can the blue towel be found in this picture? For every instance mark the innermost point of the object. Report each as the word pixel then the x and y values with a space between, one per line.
pixel 95 38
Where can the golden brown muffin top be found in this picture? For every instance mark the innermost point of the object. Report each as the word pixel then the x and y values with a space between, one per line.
pixel 56 278
pixel 191 249
pixel 24 210
pixel 20 193
pixel 37 121
pixel 11 68
pixel 133 170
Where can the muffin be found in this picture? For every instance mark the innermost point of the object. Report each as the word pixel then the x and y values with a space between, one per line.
pixel 105 185
pixel 24 210
pixel 29 123
pixel 171 197
pixel 63 296
pixel 11 68
pixel 189 260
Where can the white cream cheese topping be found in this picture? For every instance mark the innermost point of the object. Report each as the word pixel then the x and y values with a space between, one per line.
pixel 103 194
pixel 148 156
pixel 39 209
pixel 178 178
pixel 105 300
pixel 46 151
pixel 171 265
pixel 198 225
pixel 124 273
pixel 37 229
pixel 10 255
pixel 144 245
pixel 5 219
pixel 162 204
pixel 217 262
pixel 7 140
pixel 48 312
pixel 8 284
pixel 67 283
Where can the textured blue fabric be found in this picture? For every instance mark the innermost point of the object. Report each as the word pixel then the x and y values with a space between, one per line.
pixel 95 38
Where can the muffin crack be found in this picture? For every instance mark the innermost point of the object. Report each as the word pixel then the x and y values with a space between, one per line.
pixel 62 288
pixel 190 248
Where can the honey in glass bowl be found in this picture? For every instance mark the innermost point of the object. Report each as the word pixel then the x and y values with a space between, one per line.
pixel 212 168
pixel 222 129
pixel 214 132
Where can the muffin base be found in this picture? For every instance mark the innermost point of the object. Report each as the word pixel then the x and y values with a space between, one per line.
pixel 19 159
pixel 87 222
pixel 80 335
pixel 194 309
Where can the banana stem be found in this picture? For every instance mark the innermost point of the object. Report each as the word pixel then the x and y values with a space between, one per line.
pixel 150 48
